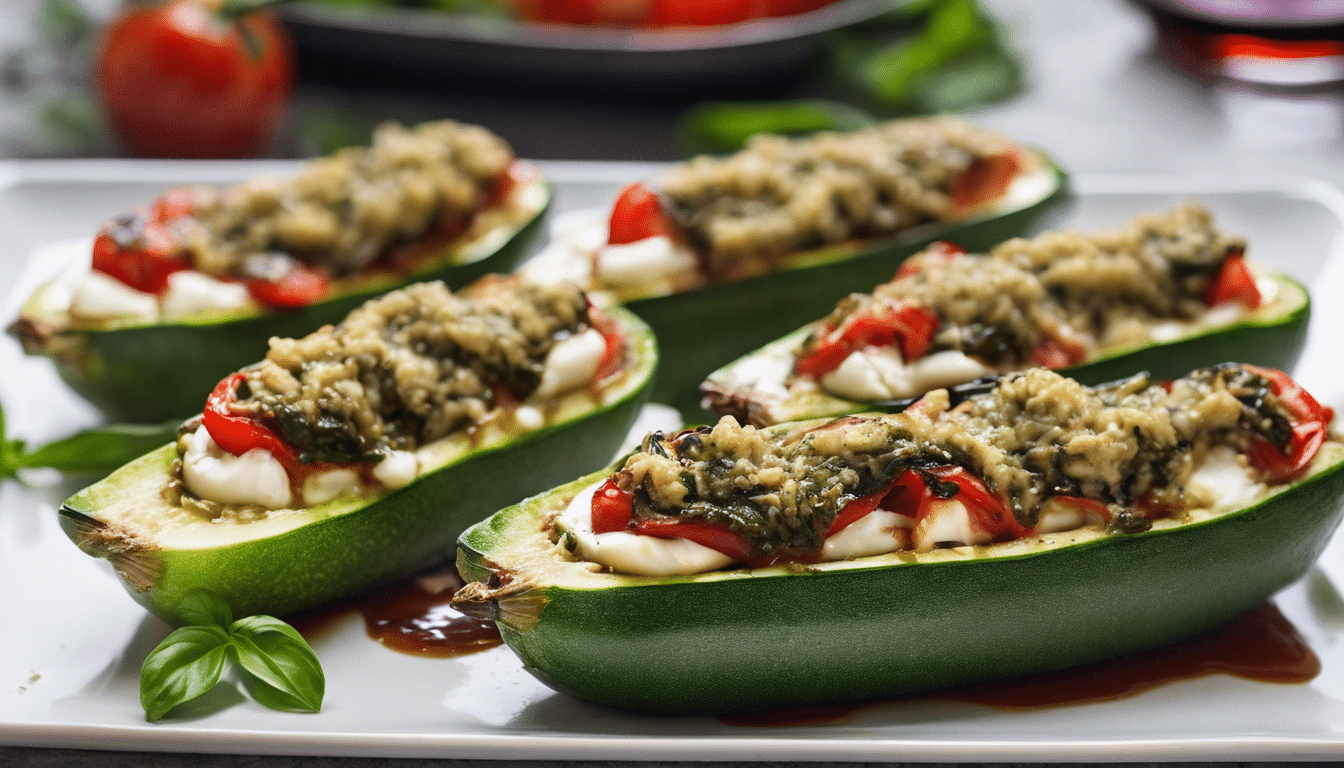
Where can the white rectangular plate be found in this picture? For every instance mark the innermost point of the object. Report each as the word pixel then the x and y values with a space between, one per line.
pixel 71 641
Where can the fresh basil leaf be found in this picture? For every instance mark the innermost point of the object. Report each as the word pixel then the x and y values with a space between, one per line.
pixel 102 449
pixel 726 126
pixel 185 665
pixel 202 607
pixel 276 655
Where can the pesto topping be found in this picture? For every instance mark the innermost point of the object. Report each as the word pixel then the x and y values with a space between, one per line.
pixel 778 196
pixel 1094 290
pixel 410 367
pixel 1035 435
pixel 341 212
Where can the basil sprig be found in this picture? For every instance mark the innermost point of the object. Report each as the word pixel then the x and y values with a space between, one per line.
pixel 278 666
pixel 98 450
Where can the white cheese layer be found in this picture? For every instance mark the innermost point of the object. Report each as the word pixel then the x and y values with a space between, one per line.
pixel 651 260
pixel 190 292
pixel 631 553
pixel 100 297
pixel 210 472
pixel 879 373
pixel 571 363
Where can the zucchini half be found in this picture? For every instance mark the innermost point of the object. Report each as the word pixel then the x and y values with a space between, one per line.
pixel 887 625
pixel 1272 336
pixel 295 559
pixel 706 328
pixel 148 373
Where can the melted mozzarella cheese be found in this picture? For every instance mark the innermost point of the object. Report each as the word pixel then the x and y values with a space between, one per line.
pixel 190 292
pixel 398 468
pixel 210 472
pixel 876 533
pixel 631 553
pixel 100 297
pixel 1055 517
pixel 947 522
pixel 1225 480
pixel 571 363
pixel 879 373
pixel 651 260
pixel 321 487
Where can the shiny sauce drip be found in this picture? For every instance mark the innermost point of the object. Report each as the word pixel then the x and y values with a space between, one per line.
pixel 412 616
pixel 1258 645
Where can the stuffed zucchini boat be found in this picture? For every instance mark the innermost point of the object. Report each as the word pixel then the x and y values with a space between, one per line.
pixel 1038 526
pixel 1169 293
pixel 180 293
pixel 721 255
pixel 358 453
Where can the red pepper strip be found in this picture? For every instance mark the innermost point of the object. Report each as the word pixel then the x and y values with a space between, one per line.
pixel 239 434
pixel 1233 283
pixel 712 536
pixel 612 508
pixel 901 496
pixel 300 286
pixel 939 252
pixel 987 512
pixel 1311 421
pixel 1058 353
pixel 985 179
pixel 909 325
pixel 637 215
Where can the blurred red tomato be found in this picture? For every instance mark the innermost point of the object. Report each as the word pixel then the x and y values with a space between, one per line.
pixel 180 79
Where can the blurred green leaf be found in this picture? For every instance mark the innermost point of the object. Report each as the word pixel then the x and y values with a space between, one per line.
pixel 100 450
pixel 726 126
pixel 64 22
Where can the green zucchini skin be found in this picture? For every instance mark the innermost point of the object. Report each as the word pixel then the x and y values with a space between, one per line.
pixel 704 329
pixel 151 373
pixel 747 640
pixel 375 540
pixel 1273 342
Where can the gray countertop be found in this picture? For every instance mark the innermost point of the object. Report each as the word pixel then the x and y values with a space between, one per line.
pixel 1100 99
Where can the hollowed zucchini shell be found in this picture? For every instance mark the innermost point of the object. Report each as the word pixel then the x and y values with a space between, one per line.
pixel 882 626
pixel 706 328
pixel 296 559
pixel 1272 336
pixel 146 373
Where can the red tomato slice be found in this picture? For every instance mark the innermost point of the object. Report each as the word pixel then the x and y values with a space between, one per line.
pixel 146 269
pixel 637 215
pixel 612 508
pixel 301 286
pixel 1234 282
pixel 908 326
pixel 984 180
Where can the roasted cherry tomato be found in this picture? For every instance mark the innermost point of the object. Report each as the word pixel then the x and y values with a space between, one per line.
pixel 182 79
pixel 910 326
pixel 636 215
